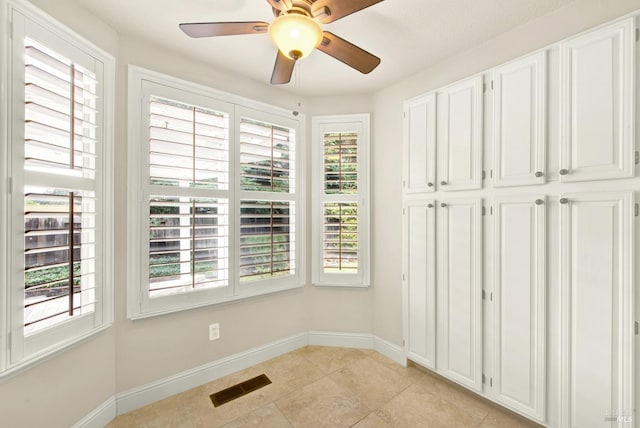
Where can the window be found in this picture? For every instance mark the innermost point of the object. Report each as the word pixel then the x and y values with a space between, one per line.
pixel 59 169
pixel 213 196
pixel 341 200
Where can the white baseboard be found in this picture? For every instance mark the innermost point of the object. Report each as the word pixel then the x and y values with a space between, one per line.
pixel 163 388
pixel 342 340
pixel 390 350
pixel 100 416
pixel 146 394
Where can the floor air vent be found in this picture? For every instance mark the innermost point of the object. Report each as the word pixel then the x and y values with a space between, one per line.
pixel 236 391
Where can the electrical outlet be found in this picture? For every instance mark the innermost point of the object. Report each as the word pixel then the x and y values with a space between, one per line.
pixel 214 331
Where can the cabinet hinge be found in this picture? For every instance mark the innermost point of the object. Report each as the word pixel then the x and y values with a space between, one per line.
pixel 637 209
pixel 491 209
pixel 484 294
pixel 404 183
pixel 484 211
pixel 492 85
pixel 404 211
pixel 484 379
pixel 403 342
pixel 637 157
pixel 491 173
pixel 491 296
pixel 484 87
pixel 491 382
pixel 636 328
pixel 403 277
pixel 404 114
pixel 484 174
pixel 637 34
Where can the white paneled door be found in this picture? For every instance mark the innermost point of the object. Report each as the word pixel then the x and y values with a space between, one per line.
pixel 420 281
pixel 519 121
pixel 420 144
pixel 519 339
pixel 460 116
pixel 596 308
pixel 597 99
pixel 460 291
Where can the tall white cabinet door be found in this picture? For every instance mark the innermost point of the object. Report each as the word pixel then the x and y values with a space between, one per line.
pixel 420 281
pixel 519 365
pixel 420 144
pixel 596 308
pixel 597 98
pixel 460 110
pixel 519 121
pixel 460 291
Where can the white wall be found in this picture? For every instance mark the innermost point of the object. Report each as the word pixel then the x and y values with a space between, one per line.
pixel 577 16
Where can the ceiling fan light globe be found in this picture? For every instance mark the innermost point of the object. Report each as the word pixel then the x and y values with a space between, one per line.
pixel 295 35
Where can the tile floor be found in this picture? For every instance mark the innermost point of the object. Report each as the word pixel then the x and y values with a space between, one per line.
pixel 328 387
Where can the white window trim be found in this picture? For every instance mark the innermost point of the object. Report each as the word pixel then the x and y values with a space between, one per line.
pixel 71 332
pixel 138 304
pixel 334 123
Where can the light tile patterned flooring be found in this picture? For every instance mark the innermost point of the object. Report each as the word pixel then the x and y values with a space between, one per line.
pixel 328 387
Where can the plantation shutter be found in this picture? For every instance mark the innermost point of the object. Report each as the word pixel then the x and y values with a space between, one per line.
pixel 267 202
pixel 340 200
pixel 189 202
pixel 340 213
pixel 60 150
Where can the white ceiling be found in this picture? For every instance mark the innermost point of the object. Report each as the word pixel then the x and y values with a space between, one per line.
pixel 408 35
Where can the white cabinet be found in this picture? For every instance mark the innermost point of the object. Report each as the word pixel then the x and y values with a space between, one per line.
pixel 519 296
pixel 597 102
pixel 459 291
pixel 420 144
pixel 460 135
pixel 596 308
pixel 420 281
pixel 519 121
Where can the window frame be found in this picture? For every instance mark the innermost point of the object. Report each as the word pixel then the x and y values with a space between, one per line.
pixel 139 304
pixel 20 19
pixel 341 123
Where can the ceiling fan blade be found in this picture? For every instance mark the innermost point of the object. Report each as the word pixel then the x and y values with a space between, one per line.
pixel 210 29
pixel 283 5
pixel 348 53
pixel 327 11
pixel 282 70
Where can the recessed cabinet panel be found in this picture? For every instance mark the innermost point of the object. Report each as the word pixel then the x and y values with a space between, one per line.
pixel 519 304
pixel 597 97
pixel 460 110
pixel 420 281
pixel 596 307
pixel 519 122
pixel 460 291
pixel 420 144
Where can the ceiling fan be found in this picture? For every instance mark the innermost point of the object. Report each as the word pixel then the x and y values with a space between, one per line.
pixel 296 32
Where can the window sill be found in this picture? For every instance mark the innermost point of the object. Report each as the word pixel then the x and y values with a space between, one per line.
pixel 247 294
pixel 50 353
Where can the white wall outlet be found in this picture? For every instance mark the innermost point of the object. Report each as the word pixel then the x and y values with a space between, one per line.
pixel 214 331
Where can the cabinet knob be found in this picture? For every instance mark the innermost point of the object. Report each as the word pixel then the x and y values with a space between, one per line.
pixel 539 202
pixel 539 174
pixel 563 171
pixel 444 183
pixel 429 184
pixel 443 205
pixel 564 201
pixel 430 206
